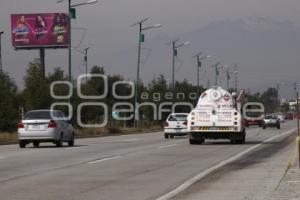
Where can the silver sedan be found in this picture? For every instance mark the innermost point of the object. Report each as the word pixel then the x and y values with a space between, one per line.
pixel 45 126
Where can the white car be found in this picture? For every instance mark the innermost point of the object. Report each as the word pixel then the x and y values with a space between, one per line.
pixel 45 126
pixel 176 125
pixel 281 117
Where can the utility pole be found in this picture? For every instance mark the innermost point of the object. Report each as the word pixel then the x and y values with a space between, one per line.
pixel 216 66
pixel 86 62
pixel 199 65
pixel 175 48
pixel 141 39
pixel 228 78
pixel 236 77
pixel 70 41
pixel 298 126
pixel 1 67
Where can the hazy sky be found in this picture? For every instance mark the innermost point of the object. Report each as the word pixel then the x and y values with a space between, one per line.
pixel 108 21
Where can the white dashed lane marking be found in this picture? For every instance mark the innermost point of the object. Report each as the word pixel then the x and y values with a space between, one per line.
pixel 104 159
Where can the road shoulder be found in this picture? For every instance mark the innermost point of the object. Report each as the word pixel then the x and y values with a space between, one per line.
pixel 256 176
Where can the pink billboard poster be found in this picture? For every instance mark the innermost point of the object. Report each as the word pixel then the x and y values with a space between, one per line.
pixel 45 30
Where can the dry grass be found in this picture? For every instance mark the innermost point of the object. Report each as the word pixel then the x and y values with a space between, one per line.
pixel 102 132
pixel 10 138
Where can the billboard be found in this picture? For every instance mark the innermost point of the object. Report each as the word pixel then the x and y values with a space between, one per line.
pixel 44 30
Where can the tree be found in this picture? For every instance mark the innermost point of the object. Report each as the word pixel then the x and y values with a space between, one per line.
pixel 37 91
pixel 8 103
pixel 270 100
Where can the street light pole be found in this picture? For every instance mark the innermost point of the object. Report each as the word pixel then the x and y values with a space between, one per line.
pixel 86 62
pixel 71 11
pixel 70 42
pixel 1 68
pixel 216 66
pixel 174 54
pixel 141 39
pixel 199 65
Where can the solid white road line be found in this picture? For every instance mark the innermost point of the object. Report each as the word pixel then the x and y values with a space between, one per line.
pixel 104 159
pixel 198 177
pixel 166 146
pixel 1 157
pixel 293 181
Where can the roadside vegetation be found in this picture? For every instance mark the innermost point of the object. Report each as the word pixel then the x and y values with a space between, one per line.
pixel 36 95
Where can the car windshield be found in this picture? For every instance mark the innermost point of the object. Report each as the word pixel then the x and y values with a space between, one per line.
pixel 271 117
pixel 178 117
pixel 38 115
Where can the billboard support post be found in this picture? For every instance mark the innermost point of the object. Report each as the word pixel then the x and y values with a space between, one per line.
pixel 42 61
pixel 0 52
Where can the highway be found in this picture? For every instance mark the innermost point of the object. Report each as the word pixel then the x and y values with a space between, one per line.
pixel 130 167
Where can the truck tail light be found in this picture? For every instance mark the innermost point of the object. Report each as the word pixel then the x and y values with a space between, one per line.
pixel 52 124
pixel 20 125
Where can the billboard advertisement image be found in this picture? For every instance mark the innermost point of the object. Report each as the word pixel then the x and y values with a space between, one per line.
pixel 45 30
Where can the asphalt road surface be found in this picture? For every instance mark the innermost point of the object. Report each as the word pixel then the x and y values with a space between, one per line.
pixel 132 167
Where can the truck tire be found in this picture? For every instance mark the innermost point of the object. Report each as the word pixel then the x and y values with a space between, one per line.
pixel 36 144
pixel 201 141
pixel 166 136
pixel 192 141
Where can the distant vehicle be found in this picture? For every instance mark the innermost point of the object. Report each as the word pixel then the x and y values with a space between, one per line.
pixel 271 121
pixel 45 126
pixel 256 121
pixel 217 116
pixel 280 116
pixel 176 125
pixel 289 116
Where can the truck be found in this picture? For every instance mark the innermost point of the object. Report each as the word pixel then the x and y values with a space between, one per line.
pixel 218 115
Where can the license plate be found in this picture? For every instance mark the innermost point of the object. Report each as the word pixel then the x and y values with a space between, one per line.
pixel 35 127
pixel 214 128
pixel 177 130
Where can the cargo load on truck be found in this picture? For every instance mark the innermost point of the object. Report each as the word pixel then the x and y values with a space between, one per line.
pixel 217 116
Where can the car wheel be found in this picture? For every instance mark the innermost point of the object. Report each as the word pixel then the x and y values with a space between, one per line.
pixel 166 136
pixel 278 127
pixel 59 143
pixel 171 136
pixel 36 144
pixel 22 144
pixel 71 141
pixel 264 127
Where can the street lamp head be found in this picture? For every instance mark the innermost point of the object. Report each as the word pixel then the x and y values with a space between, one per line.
pixel 197 55
pixel 92 1
pixel 1 32
pixel 59 1
pixel 186 43
pixel 157 26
